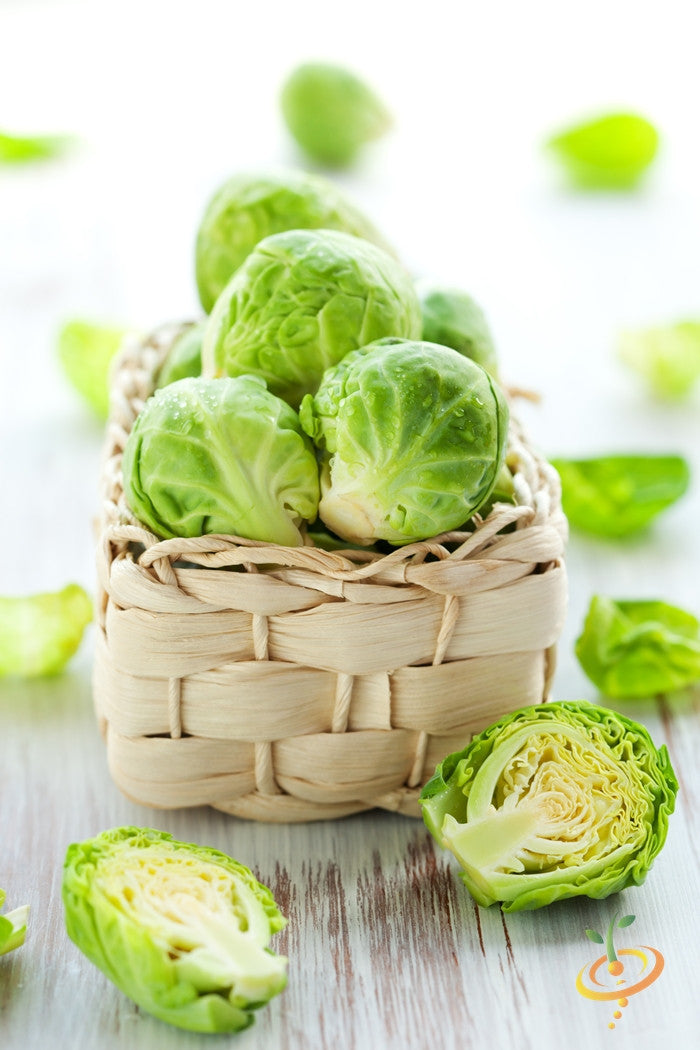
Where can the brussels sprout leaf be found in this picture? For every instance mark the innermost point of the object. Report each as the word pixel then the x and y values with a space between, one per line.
pixel 26 149
pixel 86 351
pixel 632 649
pixel 667 357
pixel 615 496
pixel 13 927
pixel 609 152
pixel 39 633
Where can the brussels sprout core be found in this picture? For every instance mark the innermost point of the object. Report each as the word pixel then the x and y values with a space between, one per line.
pixel 181 929
pixel 553 801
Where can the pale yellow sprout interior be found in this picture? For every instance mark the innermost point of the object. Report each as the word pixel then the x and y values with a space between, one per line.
pixel 207 920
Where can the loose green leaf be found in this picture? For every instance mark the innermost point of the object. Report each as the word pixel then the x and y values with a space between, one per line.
pixel 612 151
pixel 593 935
pixel 86 351
pixel 331 112
pixel 626 920
pixel 13 927
pixel 639 648
pixel 561 799
pixel 616 496
pixel 26 149
pixel 40 632
pixel 183 930
pixel 666 356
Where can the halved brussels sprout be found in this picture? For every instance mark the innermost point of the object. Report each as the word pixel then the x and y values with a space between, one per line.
pixel 300 302
pixel 253 205
pixel 412 436
pixel 13 927
pixel 558 800
pixel 220 456
pixel 183 930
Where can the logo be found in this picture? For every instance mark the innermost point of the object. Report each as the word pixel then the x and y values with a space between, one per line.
pixel 617 975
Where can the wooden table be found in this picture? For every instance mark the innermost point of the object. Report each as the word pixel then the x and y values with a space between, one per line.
pixel 386 948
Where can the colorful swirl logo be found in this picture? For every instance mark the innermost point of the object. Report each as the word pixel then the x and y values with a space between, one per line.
pixel 603 979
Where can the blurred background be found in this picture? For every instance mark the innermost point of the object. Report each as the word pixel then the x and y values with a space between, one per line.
pixel 166 100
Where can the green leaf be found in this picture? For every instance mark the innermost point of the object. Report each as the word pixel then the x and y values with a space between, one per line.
pixel 39 633
pixel 626 920
pixel 632 649
pixel 593 935
pixel 86 351
pixel 666 356
pixel 618 495
pixel 13 927
pixel 609 152
pixel 26 149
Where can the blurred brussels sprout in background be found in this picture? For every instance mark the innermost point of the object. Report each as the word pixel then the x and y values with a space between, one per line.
pixel 220 456
pixel 331 112
pixel 184 358
pixel 27 149
pixel 13 927
pixel 183 930
pixel 39 633
pixel 413 437
pixel 452 318
pixel 636 649
pixel 616 496
pixel 300 302
pixel 252 206
pixel 666 356
pixel 611 151
pixel 562 799
pixel 86 351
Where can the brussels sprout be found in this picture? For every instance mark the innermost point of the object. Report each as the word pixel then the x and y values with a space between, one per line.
pixel 639 648
pixel 610 152
pixel 39 633
pixel 13 927
pixel 331 113
pixel 300 302
pixel 184 358
pixel 181 929
pixel 616 496
pixel 86 352
pixel 413 437
pixel 220 456
pixel 250 207
pixel 558 800
pixel 453 318
pixel 666 356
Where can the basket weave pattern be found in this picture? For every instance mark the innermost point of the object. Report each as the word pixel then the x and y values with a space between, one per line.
pixel 289 684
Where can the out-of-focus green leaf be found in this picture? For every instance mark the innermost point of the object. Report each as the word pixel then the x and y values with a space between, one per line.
pixel 556 800
pixel 666 356
pixel 26 149
pixel 615 496
pixel 40 632
pixel 86 351
pixel 609 152
pixel 13 927
pixel 639 648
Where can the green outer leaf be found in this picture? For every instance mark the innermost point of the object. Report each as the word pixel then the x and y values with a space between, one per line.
pixel 27 149
pixel 331 112
pixel 609 152
pixel 220 456
pixel 300 302
pixel 617 495
pixel 446 797
pixel 413 439
pixel 639 648
pixel 666 356
pixel 251 206
pixel 39 633
pixel 86 351
pixel 143 964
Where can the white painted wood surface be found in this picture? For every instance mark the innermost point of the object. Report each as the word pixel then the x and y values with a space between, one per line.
pixel 386 948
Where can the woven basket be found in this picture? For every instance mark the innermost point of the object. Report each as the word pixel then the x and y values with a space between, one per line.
pixel 293 684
